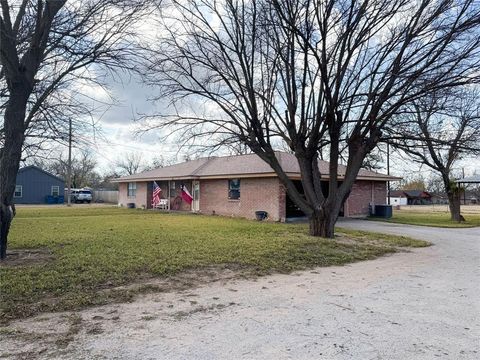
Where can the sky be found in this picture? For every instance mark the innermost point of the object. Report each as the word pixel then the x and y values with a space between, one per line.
pixel 120 124
pixel 119 129
pixel 120 135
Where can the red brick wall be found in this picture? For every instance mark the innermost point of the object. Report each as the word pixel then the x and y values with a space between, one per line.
pixel 363 193
pixel 282 201
pixel 255 194
pixel 266 194
pixel 140 199
pixel 380 193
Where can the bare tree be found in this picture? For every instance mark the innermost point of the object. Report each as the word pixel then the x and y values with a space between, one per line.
pixel 373 161
pixel 51 53
pixel 130 163
pixel 322 76
pixel 442 129
pixel 84 165
pixel 415 183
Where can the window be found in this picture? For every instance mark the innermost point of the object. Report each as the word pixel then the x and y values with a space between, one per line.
pixel 18 191
pixel 234 189
pixel 55 190
pixel 132 189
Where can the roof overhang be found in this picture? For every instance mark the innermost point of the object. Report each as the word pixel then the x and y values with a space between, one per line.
pixel 469 180
pixel 293 176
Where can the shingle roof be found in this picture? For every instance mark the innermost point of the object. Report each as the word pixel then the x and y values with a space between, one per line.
pixel 250 165
pixel 416 193
pixel 397 193
pixel 26 168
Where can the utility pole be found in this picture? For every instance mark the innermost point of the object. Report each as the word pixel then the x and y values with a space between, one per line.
pixel 69 169
pixel 388 173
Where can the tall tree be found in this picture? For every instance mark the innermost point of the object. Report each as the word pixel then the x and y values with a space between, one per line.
pixel 442 129
pixel 322 76
pixel 50 51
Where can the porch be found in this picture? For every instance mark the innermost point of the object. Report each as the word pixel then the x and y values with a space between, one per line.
pixel 171 195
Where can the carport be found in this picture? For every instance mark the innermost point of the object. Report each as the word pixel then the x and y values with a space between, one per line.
pixel 293 212
pixel 475 179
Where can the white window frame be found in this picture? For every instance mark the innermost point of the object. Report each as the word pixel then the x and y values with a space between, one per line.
pixel 21 191
pixel 58 190
pixel 131 191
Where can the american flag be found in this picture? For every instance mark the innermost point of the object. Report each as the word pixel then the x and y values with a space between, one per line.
pixel 156 194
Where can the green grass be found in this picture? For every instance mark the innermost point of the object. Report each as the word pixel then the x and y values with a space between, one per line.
pixel 92 251
pixel 436 219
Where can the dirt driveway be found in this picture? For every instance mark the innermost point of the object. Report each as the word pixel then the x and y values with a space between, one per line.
pixel 419 305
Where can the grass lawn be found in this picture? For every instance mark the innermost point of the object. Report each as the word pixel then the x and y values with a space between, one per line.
pixel 437 219
pixel 78 257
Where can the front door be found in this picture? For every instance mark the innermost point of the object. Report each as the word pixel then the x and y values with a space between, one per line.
pixel 196 195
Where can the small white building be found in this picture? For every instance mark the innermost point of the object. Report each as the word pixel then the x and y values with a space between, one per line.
pixel 397 198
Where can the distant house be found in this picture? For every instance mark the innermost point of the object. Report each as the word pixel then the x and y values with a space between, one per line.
pixel 398 197
pixel 34 186
pixel 410 197
pixel 241 185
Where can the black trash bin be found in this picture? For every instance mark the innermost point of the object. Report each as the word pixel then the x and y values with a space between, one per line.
pixel 261 215
pixel 131 205
pixel 383 211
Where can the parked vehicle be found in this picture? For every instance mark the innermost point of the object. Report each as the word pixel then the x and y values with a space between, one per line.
pixel 81 196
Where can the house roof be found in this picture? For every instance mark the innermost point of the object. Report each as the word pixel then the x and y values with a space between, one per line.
pixel 397 193
pixel 34 167
pixel 250 165
pixel 410 193
pixel 416 193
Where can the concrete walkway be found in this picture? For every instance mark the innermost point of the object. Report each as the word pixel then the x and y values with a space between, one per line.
pixel 419 305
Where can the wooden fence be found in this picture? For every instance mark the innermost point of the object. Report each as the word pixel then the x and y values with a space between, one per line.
pixel 106 196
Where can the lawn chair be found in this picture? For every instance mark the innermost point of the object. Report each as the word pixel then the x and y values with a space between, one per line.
pixel 162 205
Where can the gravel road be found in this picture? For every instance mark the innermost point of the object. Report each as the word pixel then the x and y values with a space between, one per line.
pixel 419 305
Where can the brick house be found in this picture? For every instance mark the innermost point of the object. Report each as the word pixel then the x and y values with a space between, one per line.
pixel 240 185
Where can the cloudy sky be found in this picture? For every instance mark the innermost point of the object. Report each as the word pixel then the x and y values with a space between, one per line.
pixel 120 125
pixel 119 136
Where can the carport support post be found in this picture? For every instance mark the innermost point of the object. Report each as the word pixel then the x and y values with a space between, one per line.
pixel 388 173
pixel 69 170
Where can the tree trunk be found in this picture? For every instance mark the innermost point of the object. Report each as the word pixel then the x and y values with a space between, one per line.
pixel 454 205
pixel 322 223
pixel 453 192
pixel 6 216
pixel 10 160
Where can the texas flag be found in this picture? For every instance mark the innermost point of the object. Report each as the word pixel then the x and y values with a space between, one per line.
pixel 186 195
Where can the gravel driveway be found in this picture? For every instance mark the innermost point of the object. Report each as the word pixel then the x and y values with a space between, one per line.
pixel 419 305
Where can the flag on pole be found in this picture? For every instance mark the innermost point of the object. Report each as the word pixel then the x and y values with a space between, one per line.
pixel 156 194
pixel 186 195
